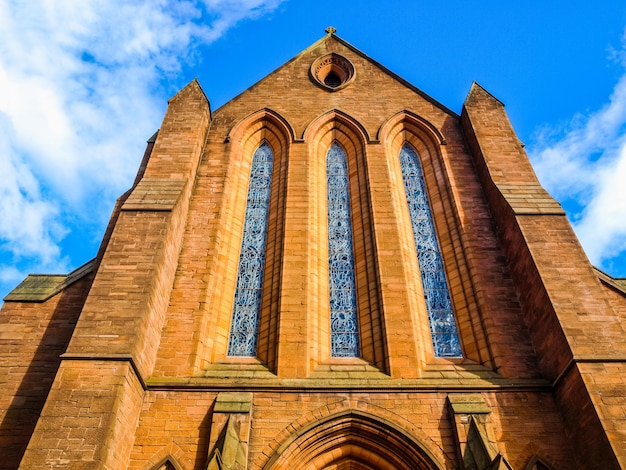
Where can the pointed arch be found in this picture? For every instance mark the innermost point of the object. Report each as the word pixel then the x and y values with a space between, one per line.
pixel 265 117
pixel 443 328
pixel 262 128
pixel 344 334
pixel 243 338
pixel 340 117
pixel 167 464
pixel 336 127
pixel 406 128
pixel 355 439
pixel 408 119
pixel 537 463
pixel 169 457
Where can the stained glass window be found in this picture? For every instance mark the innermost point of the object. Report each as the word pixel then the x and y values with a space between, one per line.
pixel 344 335
pixel 443 327
pixel 247 305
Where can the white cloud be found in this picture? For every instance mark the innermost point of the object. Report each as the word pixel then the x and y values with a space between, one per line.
pixel 602 227
pixel 28 224
pixel 585 164
pixel 80 93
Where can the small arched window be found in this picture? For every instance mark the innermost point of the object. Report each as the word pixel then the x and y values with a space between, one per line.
pixel 246 310
pixel 443 328
pixel 344 334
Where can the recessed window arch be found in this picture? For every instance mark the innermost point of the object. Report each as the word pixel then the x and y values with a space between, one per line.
pixel 351 136
pixel 344 331
pixel 244 330
pixel 443 327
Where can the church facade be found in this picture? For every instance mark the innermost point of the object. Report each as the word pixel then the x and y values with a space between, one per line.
pixel 331 271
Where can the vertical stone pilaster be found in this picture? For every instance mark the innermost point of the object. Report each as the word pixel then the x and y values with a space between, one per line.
pixel 299 298
pixel 406 322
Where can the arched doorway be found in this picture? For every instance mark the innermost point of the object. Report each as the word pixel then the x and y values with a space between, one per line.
pixel 352 440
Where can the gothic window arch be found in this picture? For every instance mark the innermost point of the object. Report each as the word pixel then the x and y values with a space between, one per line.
pixel 336 127
pixel 443 327
pixel 344 333
pixel 244 330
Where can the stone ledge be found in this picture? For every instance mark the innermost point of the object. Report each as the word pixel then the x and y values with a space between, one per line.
pixel 154 194
pixel 233 402
pixel 350 369
pixel 227 370
pixel 346 384
pixel 253 375
pixel 468 403
pixel 530 199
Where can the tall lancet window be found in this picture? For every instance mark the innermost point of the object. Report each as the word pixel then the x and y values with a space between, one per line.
pixel 344 334
pixel 443 327
pixel 245 321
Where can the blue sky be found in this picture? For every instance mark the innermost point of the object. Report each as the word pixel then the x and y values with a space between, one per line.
pixel 83 88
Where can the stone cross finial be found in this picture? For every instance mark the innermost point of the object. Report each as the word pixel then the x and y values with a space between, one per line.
pixel 330 30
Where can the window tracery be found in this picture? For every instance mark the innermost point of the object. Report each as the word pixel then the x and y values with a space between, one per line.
pixel 247 305
pixel 443 326
pixel 343 306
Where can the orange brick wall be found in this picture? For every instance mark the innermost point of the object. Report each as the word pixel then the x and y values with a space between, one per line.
pixel 178 424
pixel 483 293
pixel 89 419
pixel 32 338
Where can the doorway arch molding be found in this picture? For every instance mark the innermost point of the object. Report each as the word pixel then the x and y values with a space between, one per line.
pixel 352 438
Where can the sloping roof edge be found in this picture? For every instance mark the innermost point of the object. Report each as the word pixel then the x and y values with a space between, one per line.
pixel 618 284
pixel 360 53
pixel 476 85
pixel 41 287
pixel 394 75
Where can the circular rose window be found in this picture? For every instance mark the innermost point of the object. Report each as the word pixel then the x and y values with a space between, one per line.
pixel 332 72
